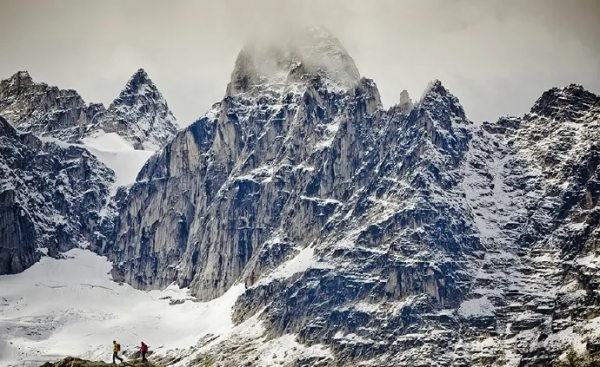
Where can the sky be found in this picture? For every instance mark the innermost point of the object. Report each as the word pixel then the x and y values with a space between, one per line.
pixel 496 56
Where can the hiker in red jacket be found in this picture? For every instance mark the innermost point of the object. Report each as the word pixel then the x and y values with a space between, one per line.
pixel 144 351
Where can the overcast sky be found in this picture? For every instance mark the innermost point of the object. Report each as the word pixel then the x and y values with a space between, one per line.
pixel 496 56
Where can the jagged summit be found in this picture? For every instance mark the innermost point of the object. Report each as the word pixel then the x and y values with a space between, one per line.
pixel 312 51
pixel 139 82
pixel 444 106
pixel 566 104
pixel 434 87
pixel 140 113
pixel 21 77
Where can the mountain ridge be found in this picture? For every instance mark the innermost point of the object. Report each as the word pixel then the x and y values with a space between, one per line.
pixel 52 112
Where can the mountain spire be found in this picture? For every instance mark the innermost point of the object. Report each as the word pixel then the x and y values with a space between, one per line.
pixel 406 103
pixel 442 104
pixel 141 114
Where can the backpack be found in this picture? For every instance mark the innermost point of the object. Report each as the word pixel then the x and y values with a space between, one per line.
pixel 118 347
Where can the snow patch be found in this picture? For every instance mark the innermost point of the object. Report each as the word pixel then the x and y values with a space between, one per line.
pixel 119 155
pixel 476 307
pixel 300 263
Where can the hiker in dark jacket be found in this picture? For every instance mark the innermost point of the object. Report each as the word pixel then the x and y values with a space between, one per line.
pixel 144 351
pixel 116 350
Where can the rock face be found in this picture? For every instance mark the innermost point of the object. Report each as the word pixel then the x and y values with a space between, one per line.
pixel 50 196
pixel 55 196
pixel 140 114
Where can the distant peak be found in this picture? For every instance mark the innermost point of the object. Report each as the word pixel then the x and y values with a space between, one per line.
pixel 21 77
pixel 22 74
pixel 437 99
pixel 139 83
pixel 140 76
pixel 567 103
pixel 311 51
pixel 406 104
pixel 141 73
pixel 434 87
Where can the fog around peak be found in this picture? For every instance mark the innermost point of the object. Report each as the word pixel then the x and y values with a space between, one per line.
pixel 313 49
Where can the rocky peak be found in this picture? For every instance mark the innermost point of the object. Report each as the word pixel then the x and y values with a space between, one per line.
pixel 140 114
pixel 566 104
pixel 16 83
pixel 310 52
pixel 442 106
pixel 406 104
pixel 139 84
pixel 41 109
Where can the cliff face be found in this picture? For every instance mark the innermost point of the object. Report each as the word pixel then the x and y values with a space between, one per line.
pixel 50 196
pixel 54 194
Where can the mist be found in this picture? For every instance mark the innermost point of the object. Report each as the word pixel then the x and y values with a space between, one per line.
pixel 496 56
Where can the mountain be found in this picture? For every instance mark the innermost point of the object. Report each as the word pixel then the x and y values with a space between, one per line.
pixel 50 196
pixel 140 114
pixel 335 232
pixel 84 153
pixel 381 234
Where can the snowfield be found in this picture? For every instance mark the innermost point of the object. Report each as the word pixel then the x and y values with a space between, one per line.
pixel 72 307
pixel 115 152
pixel 118 154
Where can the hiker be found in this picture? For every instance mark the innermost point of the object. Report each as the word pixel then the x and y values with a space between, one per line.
pixel 144 351
pixel 116 350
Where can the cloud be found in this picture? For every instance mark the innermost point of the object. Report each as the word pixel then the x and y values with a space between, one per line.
pixel 497 56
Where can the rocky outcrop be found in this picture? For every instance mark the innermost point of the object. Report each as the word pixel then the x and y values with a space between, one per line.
pixel 406 105
pixel 78 362
pixel 50 197
pixel 140 114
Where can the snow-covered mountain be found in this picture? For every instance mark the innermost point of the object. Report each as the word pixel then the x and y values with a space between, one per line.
pixel 65 160
pixel 50 196
pixel 140 114
pixel 334 232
